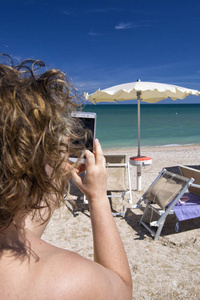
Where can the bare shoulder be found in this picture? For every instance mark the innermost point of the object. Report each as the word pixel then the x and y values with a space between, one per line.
pixel 67 275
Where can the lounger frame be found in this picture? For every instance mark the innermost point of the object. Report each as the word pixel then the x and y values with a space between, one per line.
pixel 163 213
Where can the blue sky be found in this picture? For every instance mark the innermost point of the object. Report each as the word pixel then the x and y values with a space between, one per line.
pixel 104 43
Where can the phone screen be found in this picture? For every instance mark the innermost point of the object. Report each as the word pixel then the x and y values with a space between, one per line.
pixel 88 122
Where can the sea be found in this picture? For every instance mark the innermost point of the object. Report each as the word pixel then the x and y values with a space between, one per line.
pixel 161 124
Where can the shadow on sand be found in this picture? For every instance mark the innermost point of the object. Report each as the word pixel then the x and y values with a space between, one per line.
pixel 133 220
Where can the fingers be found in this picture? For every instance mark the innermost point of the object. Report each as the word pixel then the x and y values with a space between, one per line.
pixel 96 158
pixel 97 147
pixel 93 184
pixel 98 153
pixel 76 178
pixel 82 168
pixel 89 157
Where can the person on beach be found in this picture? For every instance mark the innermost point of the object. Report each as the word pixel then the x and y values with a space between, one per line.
pixel 37 135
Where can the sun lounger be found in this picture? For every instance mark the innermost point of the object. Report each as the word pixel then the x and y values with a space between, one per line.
pixel 164 197
pixel 118 179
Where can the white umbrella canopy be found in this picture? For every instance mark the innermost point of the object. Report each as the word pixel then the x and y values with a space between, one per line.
pixel 150 92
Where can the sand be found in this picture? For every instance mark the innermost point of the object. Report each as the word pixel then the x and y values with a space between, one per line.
pixel 165 269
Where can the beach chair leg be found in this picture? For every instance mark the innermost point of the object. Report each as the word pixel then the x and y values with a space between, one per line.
pixel 145 212
pixel 138 204
pixel 85 201
pixel 158 232
pixel 123 206
pixel 129 184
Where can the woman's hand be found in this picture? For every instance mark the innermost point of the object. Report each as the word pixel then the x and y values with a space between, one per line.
pixel 94 183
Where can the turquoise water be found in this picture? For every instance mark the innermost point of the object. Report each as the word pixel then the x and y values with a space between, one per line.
pixel 161 124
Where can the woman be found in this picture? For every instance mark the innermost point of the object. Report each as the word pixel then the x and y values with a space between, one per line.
pixel 37 135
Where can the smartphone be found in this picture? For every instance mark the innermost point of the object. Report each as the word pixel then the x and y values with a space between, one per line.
pixel 88 121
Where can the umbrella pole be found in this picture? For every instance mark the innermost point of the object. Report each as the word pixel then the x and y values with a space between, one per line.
pixel 139 169
pixel 138 98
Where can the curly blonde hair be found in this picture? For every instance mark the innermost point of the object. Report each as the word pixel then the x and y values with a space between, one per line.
pixel 35 119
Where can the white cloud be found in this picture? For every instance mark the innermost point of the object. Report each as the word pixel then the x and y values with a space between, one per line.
pixel 128 25
pixel 123 25
pixel 93 33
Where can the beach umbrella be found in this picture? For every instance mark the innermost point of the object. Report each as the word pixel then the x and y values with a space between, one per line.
pixel 150 92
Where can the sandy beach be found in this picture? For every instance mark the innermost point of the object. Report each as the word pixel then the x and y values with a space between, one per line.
pixel 165 269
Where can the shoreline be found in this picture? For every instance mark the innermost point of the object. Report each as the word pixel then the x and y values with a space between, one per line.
pixel 149 147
